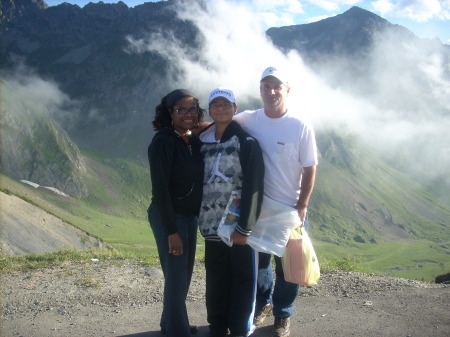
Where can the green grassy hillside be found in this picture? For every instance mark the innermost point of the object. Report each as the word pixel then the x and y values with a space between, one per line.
pixel 115 210
pixel 379 222
pixel 364 211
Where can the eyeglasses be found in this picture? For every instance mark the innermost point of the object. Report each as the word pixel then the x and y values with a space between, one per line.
pixel 184 111
pixel 217 106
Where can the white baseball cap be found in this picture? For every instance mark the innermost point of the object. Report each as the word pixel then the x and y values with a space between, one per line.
pixel 222 92
pixel 272 71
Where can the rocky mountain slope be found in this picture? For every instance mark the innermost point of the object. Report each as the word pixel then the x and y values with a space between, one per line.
pixel 331 36
pixel 27 229
pixel 84 50
pixel 10 9
pixel 34 147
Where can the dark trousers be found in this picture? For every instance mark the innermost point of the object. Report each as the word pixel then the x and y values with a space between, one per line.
pixel 230 287
pixel 177 271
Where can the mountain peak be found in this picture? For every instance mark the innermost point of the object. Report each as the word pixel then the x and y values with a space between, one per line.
pixel 355 9
pixel 10 9
pixel 349 33
pixel 101 4
pixel 106 10
pixel 357 16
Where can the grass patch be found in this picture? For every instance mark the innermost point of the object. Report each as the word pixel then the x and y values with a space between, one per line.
pixel 63 257
pixel 419 260
pixel 336 265
pixel 117 186
pixel 88 282
pixel 58 258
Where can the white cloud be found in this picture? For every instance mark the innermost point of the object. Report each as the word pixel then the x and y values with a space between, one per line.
pixel 293 6
pixel 417 10
pixel 30 85
pixel 275 13
pixel 383 7
pixel 272 19
pixel 235 51
pixel 47 95
pixel 333 5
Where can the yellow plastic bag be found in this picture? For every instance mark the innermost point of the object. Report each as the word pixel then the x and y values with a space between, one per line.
pixel 300 264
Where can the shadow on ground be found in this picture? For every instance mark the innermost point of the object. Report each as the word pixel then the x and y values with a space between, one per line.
pixel 202 332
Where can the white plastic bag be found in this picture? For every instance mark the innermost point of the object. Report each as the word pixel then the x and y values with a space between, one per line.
pixel 272 230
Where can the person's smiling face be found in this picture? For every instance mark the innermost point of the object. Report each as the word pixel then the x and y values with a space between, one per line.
pixel 273 93
pixel 221 110
pixel 184 114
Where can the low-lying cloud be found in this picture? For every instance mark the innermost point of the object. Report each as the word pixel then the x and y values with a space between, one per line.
pixel 28 84
pixel 417 10
pixel 397 117
pixel 46 95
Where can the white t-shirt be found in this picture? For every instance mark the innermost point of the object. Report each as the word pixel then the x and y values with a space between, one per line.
pixel 288 145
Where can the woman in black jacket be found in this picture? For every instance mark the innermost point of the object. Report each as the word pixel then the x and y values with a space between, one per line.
pixel 176 170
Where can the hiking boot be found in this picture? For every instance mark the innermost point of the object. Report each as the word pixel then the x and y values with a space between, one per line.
pixel 262 314
pixel 281 327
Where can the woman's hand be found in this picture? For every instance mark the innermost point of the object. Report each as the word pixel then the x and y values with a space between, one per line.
pixel 238 239
pixel 175 244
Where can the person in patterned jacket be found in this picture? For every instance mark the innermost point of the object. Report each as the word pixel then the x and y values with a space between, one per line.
pixel 233 165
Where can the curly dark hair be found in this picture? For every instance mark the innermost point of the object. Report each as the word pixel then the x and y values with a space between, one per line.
pixel 162 111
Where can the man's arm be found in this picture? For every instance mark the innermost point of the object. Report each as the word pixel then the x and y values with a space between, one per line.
pixel 307 186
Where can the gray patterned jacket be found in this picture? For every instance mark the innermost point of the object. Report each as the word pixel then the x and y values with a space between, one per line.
pixel 234 163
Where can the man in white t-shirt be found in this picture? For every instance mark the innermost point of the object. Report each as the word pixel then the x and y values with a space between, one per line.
pixel 290 158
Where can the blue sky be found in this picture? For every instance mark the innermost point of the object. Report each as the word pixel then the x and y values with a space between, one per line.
pixel 425 18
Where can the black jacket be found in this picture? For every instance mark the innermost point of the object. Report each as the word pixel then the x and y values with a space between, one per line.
pixel 176 176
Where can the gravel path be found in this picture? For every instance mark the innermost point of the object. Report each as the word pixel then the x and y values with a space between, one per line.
pixel 124 299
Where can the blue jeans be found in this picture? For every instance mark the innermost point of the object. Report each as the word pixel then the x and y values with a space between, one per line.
pixel 284 293
pixel 177 270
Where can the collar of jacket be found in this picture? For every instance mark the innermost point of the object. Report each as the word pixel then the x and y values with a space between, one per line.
pixel 232 129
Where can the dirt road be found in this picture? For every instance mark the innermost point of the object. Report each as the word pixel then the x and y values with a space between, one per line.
pixel 114 299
